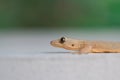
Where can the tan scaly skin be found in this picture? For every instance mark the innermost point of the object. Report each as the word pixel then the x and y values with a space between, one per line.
pixel 85 46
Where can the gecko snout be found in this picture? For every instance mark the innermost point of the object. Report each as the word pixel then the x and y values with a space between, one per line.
pixel 52 43
pixel 55 43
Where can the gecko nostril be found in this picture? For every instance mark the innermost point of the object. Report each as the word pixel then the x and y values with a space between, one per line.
pixel 51 42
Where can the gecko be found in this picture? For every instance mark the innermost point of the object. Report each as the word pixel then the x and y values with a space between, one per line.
pixel 86 46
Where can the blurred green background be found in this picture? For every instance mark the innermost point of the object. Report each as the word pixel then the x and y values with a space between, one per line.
pixel 54 14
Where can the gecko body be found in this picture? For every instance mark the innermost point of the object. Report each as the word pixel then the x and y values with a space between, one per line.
pixel 86 46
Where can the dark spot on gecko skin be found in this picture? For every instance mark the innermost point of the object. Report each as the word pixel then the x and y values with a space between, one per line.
pixel 72 44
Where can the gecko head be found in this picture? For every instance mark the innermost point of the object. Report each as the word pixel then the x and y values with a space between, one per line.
pixel 66 43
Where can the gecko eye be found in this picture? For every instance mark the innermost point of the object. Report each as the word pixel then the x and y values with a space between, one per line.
pixel 62 40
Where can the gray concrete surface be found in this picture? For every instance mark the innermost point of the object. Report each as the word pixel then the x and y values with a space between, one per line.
pixel 30 57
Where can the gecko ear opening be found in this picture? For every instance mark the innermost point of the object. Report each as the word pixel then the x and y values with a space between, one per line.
pixel 62 40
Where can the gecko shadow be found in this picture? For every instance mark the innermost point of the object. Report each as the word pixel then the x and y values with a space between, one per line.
pixel 59 52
